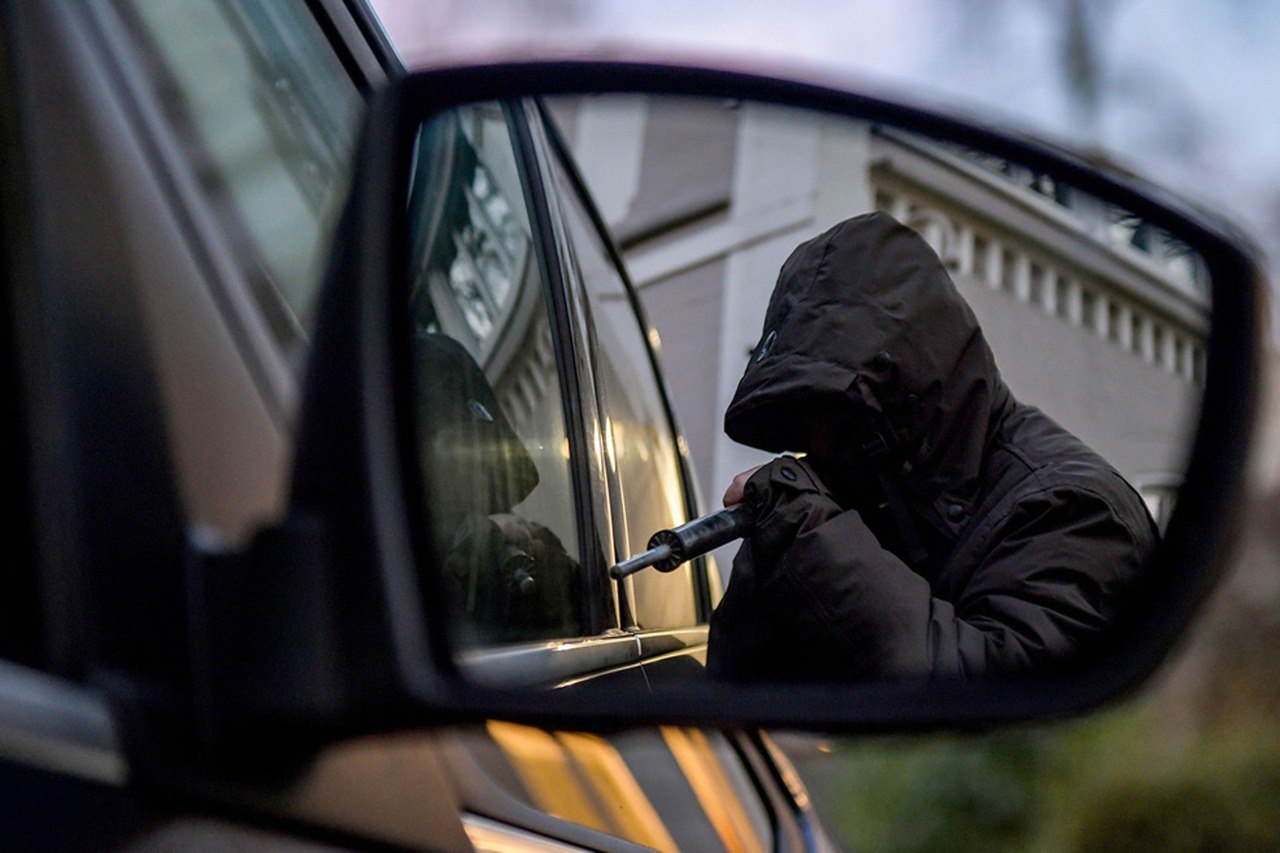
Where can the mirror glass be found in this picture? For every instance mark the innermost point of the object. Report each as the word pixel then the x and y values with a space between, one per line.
pixel 984 379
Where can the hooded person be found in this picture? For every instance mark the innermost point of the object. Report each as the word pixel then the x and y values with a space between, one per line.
pixel 935 526
pixel 509 575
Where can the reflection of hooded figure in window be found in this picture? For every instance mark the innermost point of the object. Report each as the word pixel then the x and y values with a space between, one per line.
pixel 937 525
pixel 511 576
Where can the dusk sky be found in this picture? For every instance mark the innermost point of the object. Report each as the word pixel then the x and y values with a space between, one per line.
pixel 1190 91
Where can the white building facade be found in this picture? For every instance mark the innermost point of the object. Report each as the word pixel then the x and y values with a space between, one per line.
pixel 1094 316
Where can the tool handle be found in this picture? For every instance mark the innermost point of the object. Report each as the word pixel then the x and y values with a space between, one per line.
pixel 671 548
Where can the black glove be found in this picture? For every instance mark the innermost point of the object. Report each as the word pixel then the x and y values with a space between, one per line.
pixel 512 580
pixel 789 498
pixel 751 628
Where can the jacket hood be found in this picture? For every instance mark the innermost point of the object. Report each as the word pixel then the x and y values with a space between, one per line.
pixel 866 330
pixel 474 461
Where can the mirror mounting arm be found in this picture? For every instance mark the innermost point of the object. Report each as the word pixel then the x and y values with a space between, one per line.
pixel 290 648
pixel 313 631
pixel 267 640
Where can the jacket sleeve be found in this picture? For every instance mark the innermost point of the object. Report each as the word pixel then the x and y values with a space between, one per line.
pixel 1048 578
pixel 812 594
pixel 759 625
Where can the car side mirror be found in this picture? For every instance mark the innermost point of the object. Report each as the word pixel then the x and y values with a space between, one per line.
pixel 451 531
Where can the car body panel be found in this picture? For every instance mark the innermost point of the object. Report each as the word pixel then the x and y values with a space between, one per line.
pixel 163 390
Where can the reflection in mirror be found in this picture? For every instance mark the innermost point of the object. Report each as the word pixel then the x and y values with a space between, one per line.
pixel 490 418
pixel 987 379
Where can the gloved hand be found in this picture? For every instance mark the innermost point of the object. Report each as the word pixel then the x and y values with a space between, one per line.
pixel 751 628
pixel 790 499
pixel 513 580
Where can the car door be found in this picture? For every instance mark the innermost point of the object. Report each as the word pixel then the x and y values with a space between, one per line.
pixel 521 313
pixel 170 177
pixel 505 447
pixel 188 216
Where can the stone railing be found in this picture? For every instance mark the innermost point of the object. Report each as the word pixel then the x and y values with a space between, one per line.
pixel 1153 311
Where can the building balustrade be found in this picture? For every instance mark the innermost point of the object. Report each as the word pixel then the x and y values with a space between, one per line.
pixel 1029 274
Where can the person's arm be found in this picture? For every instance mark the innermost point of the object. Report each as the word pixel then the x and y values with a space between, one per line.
pixel 1045 579
pixel 1055 572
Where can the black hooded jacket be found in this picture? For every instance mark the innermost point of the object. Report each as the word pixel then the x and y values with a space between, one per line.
pixel 961 533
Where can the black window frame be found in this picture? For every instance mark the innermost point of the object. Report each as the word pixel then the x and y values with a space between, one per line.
pixel 703 604
pixel 599 613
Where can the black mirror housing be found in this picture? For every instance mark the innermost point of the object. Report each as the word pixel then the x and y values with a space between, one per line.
pixel 354 614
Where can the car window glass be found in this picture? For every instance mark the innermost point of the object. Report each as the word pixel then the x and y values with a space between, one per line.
pixel 267 114
pixel 636 427
pixel 491 422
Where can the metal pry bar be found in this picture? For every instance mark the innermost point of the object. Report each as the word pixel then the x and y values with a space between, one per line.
pixel 669 548
pixel 652 557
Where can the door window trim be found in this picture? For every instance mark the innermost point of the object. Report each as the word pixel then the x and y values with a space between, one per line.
pixel 568 329
pixel 558 148
pixel 549 663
